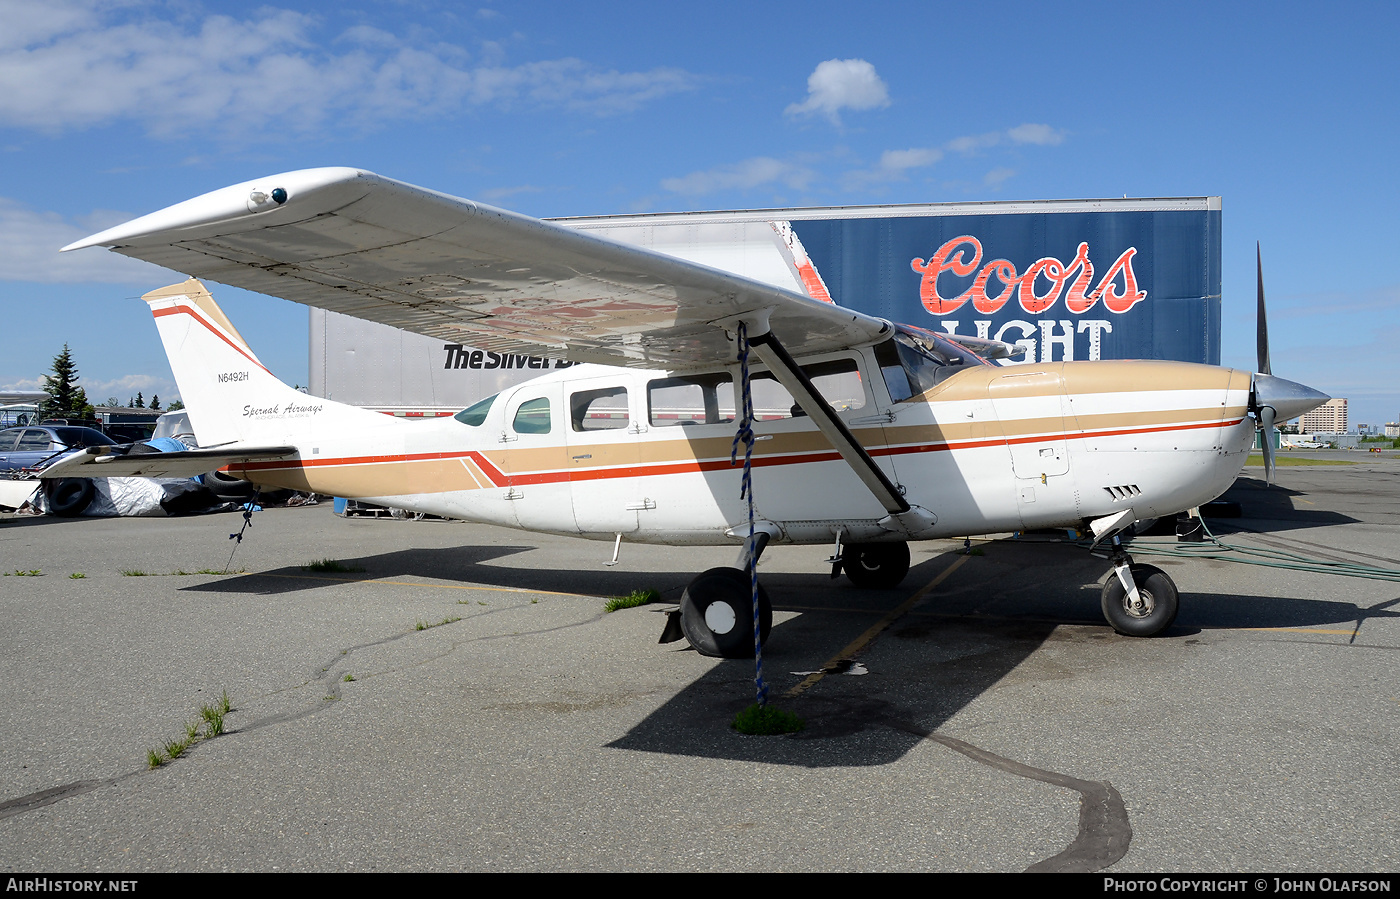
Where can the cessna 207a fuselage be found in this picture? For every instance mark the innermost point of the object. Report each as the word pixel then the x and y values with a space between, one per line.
pixel 866 434
pixel 596 451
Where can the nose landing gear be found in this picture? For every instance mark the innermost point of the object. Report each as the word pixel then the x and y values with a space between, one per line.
pixel 1139 600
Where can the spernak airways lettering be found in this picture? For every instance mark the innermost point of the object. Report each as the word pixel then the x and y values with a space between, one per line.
pixel 291 410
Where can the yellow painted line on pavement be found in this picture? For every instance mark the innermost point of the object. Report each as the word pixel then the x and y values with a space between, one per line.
pixel 874 630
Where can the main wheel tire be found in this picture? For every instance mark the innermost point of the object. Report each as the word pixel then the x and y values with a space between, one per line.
pixel 717 614
pixel 71 496
pixel 1159 600
pixel 877 566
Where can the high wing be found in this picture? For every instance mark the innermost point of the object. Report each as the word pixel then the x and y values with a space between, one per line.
pixel 112 462
pixel 370 247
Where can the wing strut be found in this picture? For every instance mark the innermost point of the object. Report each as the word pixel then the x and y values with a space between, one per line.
pixel 791 376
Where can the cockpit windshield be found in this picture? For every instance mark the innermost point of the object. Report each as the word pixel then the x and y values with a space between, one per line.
pixel 915 360
pixel 475 414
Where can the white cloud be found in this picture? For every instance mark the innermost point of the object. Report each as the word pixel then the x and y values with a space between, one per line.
pixel 29 243
pixel 757 172
pixel 971 143
pixel 894 165
pixel 1036 134
pixel 996 177
pixel 838 84
pixel 1040 135
pixel 80 64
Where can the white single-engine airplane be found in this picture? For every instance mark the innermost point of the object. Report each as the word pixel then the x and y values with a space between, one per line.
pixel 867 434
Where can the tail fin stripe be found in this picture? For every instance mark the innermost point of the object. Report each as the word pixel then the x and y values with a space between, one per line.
pixel 187 310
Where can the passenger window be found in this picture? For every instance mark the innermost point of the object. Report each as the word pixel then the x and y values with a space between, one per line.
pixel 532 417
pixel 838 381
pixel 691 400
pixel 598 410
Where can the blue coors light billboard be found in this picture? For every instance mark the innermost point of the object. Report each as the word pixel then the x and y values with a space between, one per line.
pixel 1083 283
pixel 1072 279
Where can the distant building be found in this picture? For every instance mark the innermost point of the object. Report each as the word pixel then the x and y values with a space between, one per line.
pixel 1330 417
pixel 1392 429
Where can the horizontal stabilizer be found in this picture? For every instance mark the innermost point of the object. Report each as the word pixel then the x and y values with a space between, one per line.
pixel 117 462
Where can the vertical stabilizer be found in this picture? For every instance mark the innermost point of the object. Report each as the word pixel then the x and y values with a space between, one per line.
pixel 219 376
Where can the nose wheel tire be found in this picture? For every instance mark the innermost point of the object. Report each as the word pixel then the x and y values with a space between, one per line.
pixel 717 614
pixel 875 566
pixel 1156 609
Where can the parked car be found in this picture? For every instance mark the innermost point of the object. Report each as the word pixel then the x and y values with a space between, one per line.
pixel 34 446
pixel 37 445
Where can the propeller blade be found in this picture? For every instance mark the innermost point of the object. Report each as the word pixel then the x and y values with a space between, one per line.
pixel 1261 319
pixel 1266 423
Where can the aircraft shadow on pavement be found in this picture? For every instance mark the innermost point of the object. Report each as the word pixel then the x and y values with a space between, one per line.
pixel 1274 506
pixel 986 619
pixel 461 563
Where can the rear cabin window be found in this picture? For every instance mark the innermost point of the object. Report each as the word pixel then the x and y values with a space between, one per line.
pixel 532 417
pixel 690 400
pixel 838 381
pixel 598 410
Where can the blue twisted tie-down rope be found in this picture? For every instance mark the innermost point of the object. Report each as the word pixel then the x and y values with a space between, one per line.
pixel 745 435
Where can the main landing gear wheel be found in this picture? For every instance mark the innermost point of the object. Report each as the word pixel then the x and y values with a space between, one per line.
pixel 1157 609
pixel 877 566
pixel 717 614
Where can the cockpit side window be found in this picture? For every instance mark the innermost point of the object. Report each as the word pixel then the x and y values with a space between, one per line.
pixel 915 361
pixel 837 380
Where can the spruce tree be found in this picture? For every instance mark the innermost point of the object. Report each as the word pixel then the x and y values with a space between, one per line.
pixel 65 396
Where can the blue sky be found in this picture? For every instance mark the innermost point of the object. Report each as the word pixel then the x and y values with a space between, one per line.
pixel 1288 111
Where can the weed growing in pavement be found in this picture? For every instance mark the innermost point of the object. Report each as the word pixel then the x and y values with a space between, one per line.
pixel 765 720
pixel 32 572
pixel 632 600
pixel 76 575
pixel 423 625
pixel 213 717
pixel 331 566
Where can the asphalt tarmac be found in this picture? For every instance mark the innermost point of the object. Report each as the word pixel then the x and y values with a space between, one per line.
pixel 456 699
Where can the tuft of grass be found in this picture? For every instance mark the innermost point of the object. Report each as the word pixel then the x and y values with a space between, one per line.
pixel 349 678
pixel 76 575
pixel 211 715
pixel 331 566
pixel 766 720
pixel 21 572
pixel 217 571
pixel 213 721
pixel 424 625
pixel 133 572
pixel 632 600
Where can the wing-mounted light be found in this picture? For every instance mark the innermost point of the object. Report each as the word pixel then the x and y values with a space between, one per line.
pixel 1271 398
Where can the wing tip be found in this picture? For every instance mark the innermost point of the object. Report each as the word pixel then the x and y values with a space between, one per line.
pixel 248 198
